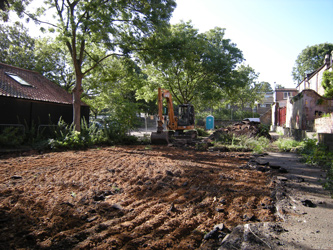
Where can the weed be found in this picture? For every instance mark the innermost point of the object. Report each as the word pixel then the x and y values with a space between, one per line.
pixel 202 132
pixel 287 144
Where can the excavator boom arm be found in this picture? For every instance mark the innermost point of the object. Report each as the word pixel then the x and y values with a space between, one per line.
pixel 163 93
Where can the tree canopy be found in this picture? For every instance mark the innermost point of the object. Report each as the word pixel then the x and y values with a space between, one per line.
pixel 117 26
pixel 250 90
pixel 327 83
pixel 16 46
pixel 310 59
pixel 194 66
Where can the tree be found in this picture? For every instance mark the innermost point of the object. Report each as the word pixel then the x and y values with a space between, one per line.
pixel 12 5
pixel 4 4
pixel 250 91
pixel 117 25
pixel 53 61
pixel 16 46
pixel 266 87
pixel 193 66
pixel 310 59
pixel 44 55
pixel 327 83
pixel 112 87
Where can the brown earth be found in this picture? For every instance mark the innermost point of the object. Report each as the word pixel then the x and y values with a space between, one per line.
pixel 127 198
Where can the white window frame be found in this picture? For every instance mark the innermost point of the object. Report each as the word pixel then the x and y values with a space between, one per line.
pixel 18 79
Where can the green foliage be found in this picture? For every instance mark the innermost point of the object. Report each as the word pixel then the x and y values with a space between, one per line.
pixel 242 143
pixel 16 46
pixel 318 155
pixel 310 59
pixel 327 83
pixel 12 137
pixel 194 66
pixel 53 61
pixel 117 27
pixel 263 129
pixel 256 144
pixel 65 136
pixel 202 132
pixel 116 133
pixel 287 144
pixel 15 5
pixel 248 92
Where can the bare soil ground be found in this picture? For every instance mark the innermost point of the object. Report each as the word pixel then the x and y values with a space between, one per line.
pixel 128 198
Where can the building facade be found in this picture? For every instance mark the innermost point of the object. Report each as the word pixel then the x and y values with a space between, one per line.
pixel 28 98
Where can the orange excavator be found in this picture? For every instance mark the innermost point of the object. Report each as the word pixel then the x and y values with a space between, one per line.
pixel 176 125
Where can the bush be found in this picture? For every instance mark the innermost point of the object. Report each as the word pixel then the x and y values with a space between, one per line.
pixel 287 144
pixel 242 143
pixel 12 136
pixel 65 136
pixel 318 155
pixel 256 144
pixel 202 132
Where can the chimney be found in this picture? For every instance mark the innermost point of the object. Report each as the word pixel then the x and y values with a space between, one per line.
pixel 327 61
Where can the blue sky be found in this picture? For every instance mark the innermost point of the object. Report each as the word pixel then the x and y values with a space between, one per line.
pixel 271 33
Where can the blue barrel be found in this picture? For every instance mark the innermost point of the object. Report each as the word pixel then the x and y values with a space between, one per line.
pixel 210 122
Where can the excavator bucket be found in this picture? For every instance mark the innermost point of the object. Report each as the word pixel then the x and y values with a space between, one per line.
pixel 159 138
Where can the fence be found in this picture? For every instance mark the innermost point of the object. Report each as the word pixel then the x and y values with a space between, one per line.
pixel 149 123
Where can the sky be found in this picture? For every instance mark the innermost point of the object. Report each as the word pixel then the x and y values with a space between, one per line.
pixel 270 33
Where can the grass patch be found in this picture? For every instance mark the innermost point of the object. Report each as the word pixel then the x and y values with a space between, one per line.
pixel 242 143
pixel 287 144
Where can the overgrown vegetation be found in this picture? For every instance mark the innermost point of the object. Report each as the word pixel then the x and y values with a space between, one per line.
pixel 242 143
pixel 287 144
pixel 313 154
pixel 318 155
pixel 64 136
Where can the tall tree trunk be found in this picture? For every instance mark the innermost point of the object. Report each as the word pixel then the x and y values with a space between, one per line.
pixel 77 91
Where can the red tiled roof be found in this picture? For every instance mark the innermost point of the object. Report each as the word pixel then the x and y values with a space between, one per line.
pixel 41 88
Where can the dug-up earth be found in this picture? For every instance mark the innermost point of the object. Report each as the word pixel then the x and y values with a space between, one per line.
pixel 159 197
pixel 132 197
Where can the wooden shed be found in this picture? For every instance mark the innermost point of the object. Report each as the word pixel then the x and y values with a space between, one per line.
pixel 28 98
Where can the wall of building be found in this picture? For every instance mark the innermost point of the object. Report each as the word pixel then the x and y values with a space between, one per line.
pixel 26 112
pixel 306 107
pixel 266 118
pixel 324 124
pixel 313 81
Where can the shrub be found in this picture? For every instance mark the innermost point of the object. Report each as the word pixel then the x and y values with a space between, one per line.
pixel 318 155
pixel 202 132
pixel 256 144
pixel 287 144
pixel 12 136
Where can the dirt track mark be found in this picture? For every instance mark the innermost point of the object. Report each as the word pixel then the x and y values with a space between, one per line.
pixel 127 198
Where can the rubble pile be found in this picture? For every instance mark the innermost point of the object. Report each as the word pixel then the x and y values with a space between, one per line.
pixel 245 127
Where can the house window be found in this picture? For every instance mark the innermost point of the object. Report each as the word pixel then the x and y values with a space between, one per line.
pixel 18 79
pixel 262 105
pixel 287 94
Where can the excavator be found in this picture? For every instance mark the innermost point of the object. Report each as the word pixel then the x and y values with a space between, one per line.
pixel 178 127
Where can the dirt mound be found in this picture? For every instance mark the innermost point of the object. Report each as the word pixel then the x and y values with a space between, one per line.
pixel 127 198
pixel 245 127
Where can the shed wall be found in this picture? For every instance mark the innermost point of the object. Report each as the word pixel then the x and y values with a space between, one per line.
pixel 19 111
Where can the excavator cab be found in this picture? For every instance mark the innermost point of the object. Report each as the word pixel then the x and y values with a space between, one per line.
pixel 176 125
pixel 185 115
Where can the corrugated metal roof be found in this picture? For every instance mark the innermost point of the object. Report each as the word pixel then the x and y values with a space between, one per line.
pixel 41 88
